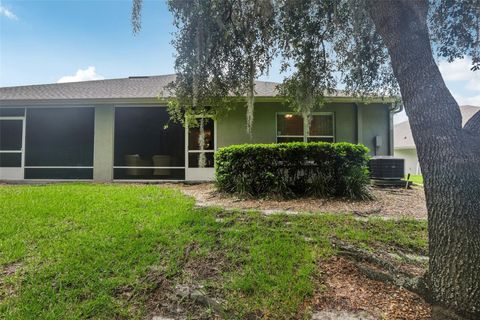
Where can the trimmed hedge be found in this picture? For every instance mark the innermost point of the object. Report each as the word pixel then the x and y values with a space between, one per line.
pixel 296 169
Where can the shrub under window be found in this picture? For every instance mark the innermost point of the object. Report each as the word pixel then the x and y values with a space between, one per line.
pixel 294 169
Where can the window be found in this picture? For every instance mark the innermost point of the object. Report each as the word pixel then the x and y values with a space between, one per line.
pixel 209 144
pixel 290 128
pixel 321 128
pixel 59 143
pixel 147 145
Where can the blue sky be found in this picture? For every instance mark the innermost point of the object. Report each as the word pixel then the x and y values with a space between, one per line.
pixel 52 39
pixel 46 41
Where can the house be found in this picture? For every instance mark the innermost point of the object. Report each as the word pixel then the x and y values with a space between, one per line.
pixel 120 130
pixel 405 146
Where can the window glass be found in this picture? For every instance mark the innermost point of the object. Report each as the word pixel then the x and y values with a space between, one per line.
pixel 321 125
pixel 145 137
pixel 290 128
pixel 193 158
pixel 193 134
pixel 60 137
pixel 289 125
pixel 289 139
pixel 11 134
pixel 319 139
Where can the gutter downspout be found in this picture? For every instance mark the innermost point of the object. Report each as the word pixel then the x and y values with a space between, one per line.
pixel 396 107
pixel 359 123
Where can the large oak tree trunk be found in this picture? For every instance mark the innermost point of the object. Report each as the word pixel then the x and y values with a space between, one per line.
pixel 449 156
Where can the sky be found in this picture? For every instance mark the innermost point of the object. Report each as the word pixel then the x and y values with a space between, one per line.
pixel 76 40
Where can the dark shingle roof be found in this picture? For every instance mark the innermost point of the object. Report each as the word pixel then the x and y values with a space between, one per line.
pixel 403 138
pixel 126 88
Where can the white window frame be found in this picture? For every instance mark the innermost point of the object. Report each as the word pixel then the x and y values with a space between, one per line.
pixel 305 137
pixel 200 174
pixel 187 151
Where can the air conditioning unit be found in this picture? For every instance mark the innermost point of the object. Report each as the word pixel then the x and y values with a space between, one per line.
pixel 386 168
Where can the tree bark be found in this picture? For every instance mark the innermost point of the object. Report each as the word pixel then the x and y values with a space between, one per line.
pixel 449 156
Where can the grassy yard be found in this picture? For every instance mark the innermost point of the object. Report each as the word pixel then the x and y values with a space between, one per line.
pixel 102 251
pixel 416 178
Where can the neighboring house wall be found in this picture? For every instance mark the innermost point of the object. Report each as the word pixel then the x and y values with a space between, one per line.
pixel 405 144
pixel 411 160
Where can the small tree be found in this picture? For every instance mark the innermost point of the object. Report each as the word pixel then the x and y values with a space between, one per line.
pixel 373 47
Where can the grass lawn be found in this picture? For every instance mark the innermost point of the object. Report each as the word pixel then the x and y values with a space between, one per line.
pixel 71 251
pixel 416 178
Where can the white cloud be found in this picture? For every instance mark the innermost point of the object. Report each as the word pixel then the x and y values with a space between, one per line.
pixel 82 75
pixel 459 70
pixel 7 13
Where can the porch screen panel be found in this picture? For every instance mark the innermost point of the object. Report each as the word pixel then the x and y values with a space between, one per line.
pixel 59 143
pixel 10 160
pixel 12 112
pixel 11 134
pixel 59 173
pixel 148 145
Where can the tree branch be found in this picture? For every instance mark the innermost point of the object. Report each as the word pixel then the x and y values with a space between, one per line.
pixel 473 124
pixel 137 16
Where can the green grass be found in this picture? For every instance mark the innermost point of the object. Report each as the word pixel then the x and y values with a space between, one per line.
pixel 416 178
pixel 77 246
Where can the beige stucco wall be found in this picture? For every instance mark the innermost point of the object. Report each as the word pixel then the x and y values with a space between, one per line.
pixel 411 160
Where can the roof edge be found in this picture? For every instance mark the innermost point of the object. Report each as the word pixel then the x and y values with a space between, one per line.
pixel 164 100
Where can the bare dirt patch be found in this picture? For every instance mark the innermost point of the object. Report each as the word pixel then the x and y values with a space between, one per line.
pixel 6 289
pixel 391 203
pixel 192 293
pixel 347 290
pixel 9 269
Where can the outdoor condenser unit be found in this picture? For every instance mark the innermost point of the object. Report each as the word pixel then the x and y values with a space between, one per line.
pixel 382 167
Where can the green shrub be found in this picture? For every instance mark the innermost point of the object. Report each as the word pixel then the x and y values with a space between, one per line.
pixel 294 169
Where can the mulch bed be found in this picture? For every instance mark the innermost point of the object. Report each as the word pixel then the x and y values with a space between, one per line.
pixel 390 203
pixel 349 290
